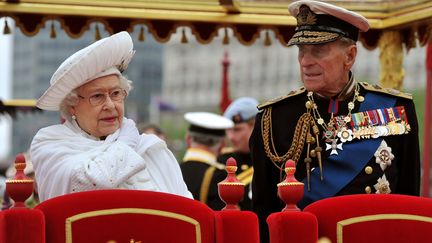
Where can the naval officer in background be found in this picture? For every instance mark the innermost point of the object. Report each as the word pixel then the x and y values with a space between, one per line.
pixel 205 139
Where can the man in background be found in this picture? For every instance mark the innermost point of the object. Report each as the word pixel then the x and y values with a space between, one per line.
pixel 205 139
pixel 242 112
pixel 150 128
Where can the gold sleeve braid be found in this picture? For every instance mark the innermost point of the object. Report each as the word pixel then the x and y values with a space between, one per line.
pixel 205 184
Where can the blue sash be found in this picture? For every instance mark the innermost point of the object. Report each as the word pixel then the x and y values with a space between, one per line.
pixel 341 169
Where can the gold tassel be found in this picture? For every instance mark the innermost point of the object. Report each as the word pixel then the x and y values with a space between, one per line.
pixel 318 150
pixel 226 38
pixel 184 38
pixel 53 33
pixel 97 34
pixel 267 40
pixel 6 29
pixel 141 34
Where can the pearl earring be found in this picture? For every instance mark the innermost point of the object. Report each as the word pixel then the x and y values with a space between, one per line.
pixel 73 117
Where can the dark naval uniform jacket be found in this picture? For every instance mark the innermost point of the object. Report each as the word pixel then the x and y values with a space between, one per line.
pixel 201 173
pixel 385 163
pixel 244 174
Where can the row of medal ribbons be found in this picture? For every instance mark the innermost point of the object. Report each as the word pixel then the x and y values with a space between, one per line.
pixel 377 123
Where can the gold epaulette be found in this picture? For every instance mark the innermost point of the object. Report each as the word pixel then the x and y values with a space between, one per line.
pixel 227 150
pixel 219 166
pixel 246 176
pixel 379 89
pixel 283 97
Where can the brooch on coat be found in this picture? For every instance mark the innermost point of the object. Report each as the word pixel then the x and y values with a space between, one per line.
pixel 383 157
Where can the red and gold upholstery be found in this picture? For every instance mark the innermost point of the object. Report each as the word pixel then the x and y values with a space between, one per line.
pixel 124 216
pixel 374 218
pixel 357 219
pixel 291 226
pixel 22 225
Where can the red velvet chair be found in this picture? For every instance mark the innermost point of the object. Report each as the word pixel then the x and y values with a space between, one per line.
pixel 357 219
pixel 125 216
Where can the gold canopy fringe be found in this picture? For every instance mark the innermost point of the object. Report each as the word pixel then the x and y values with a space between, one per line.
pixel 97 33
pixel 391 60
pixel 6 29
pixel 226 38
pixel 184 39
pixel 141 34
pixel 53 33
pixel 267 40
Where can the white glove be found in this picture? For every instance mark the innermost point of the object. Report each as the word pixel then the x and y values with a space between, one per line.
pixel 129 133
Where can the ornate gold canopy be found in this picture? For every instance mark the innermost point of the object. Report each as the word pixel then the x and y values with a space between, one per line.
pixel 247 18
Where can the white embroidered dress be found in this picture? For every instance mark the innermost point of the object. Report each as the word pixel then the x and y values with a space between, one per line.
pixel 66 159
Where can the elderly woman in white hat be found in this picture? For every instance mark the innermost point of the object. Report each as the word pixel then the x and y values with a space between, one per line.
pixel 97 147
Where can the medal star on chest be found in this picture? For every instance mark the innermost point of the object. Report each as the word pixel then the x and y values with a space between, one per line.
pixel 336 130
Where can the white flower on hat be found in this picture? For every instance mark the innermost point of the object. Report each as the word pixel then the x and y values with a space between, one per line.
pixel 110 55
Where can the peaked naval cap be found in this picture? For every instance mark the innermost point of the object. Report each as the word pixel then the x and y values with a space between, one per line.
pixel 319 22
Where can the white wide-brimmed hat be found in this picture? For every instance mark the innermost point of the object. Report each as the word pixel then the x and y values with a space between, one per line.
pixel 110 55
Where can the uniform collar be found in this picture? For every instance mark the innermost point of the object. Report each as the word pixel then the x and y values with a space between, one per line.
pixel 201 155
pixel 346 92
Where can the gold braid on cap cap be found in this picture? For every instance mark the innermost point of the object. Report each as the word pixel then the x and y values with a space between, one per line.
pixel 306 36
pixel 306 125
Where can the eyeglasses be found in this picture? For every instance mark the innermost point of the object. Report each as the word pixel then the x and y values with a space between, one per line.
pixel 100 98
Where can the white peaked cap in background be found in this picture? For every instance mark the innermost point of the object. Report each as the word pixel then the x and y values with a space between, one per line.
pixel 110 55
pixel 208 123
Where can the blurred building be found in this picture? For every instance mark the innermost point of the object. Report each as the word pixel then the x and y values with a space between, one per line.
pixel 192 72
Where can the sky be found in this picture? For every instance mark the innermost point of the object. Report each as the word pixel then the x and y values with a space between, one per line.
pixel 5 86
